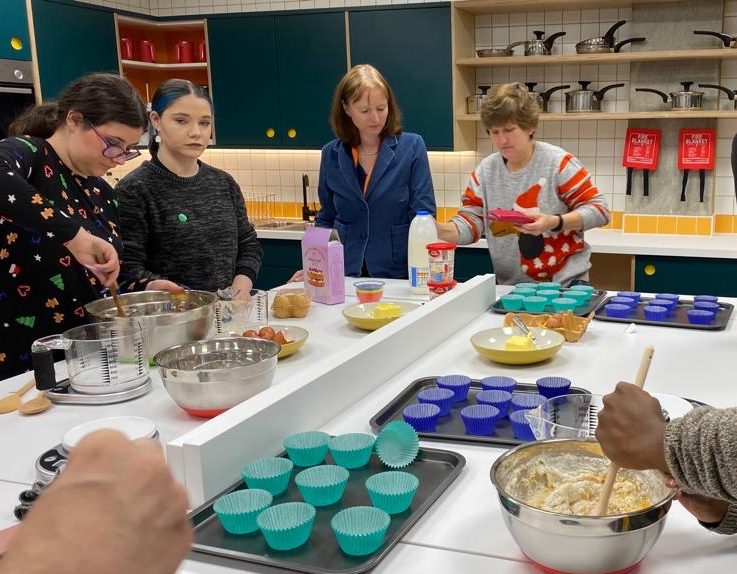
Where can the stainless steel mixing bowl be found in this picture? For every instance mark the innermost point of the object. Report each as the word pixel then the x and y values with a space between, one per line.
pixel 578 544
pixel 166 319
pixel 208 377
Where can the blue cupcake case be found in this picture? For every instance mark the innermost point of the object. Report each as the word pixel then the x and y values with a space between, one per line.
pixel 436 470
pixel 677 317
pixel 450 428
pixel 597 296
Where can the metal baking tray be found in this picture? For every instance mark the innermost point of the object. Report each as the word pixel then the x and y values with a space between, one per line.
pixel 450 427
pixel 677 318
pixel 435 468
pixel 597 296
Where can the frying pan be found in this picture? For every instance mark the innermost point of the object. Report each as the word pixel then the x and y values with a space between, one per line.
pixel 498 52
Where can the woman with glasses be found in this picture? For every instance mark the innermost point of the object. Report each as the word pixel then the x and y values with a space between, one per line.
pixel 59 236
pixel 548 186
pixel 181 219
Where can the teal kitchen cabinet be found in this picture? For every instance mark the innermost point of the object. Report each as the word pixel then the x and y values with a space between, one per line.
pixel 471 261
pixel 686 275
pixel 273 77
pixel 14 38
pixel 282 258
pixel 72 40
pixel 412 49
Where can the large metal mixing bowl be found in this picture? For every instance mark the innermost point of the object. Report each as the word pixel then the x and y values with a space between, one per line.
pixel 208 377
pixel 578 544
pixel 166 319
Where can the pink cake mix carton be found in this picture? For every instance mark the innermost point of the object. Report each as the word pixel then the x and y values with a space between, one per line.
pixel 322 261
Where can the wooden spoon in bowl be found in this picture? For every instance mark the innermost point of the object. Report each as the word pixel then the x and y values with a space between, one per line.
pixel 118 306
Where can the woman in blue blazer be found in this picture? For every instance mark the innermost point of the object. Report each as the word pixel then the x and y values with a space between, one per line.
pixel 373 177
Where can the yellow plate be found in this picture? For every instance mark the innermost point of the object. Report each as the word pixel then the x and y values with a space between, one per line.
pixel 360 314
pixel 490 344
pixel 298 336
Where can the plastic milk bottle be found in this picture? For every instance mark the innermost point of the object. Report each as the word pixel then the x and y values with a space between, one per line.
pixel 422 231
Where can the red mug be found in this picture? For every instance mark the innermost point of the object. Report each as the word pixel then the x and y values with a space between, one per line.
pixel 126 49
pixel 201 51
pixel 184 52
pixel 146 51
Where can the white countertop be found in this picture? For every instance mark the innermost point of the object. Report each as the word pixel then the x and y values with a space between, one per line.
pixel 613 241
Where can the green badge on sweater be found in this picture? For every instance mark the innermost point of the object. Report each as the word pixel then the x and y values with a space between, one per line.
pixel 182 218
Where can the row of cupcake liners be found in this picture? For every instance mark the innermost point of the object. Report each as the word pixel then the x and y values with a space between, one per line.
pixel 434 468
pixel 677 317
pixel 597 296
pixel 450 427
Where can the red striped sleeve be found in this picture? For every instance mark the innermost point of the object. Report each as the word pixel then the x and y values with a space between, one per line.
pixel 586 192
pixel 564 162
pixel 572 183
pixel 474 233
pixel 474 178
pixel 471 199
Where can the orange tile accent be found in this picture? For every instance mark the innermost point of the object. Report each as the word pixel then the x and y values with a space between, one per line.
pixel 617 218
pixel 724 224
pixel 667 224
pixel 686 225
pixel 648 224
pixel 449 213
pixel 630 224
pixel 703 226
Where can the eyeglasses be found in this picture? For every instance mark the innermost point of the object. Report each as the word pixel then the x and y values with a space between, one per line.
pixel 115 150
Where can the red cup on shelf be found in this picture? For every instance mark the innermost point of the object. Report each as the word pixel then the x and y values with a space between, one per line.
pixel 184 52
pixel 201 51
pixel 126 49
pixel 146 51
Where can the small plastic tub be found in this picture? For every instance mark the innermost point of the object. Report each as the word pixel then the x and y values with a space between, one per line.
pixel 700 316
pixel 499 382
pixel 443 398
pixel 631 303
pixel 524 291
pixel 528 285
pixel 496 398
pixel 422 416
pixel 551 387
pixel 397 444
pixel 360 530
pixel 555 286
pixel 655 313
pixel 706 306
pixel 392 491
pixel 534 303
pixel 512 301
pixel 525 401
pixel 667 303
pixel 237 511
pixel 270 474
pixel 480 420
pixel 549 294
pixel 708 298
pixel 617 310
pixel 307 448
pixel 670 296
pixel 322 485
pixel 630 295
pixel 564 304
pixel 351 450
pixel 441 259
pixel 287 526
pixel 521 426
pixel 459 384
pixel 369 291
pixel 439 287
pixel 581 297
pixel 585 288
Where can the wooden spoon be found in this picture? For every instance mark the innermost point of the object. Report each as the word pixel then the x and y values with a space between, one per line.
pixel 12 401
pixel 37 404
pixel 606 490
pixel 118 306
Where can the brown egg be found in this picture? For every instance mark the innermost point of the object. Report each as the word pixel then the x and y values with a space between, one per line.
pixel 281 338
pixel 266 333
pixel 250 333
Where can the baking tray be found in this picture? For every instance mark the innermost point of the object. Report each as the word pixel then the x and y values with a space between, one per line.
pixel 677 318
pixel 435 468
pixel 597 296
pixel 450 427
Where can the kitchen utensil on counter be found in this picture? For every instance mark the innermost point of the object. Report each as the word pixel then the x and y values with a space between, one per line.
pixel 685 99
pixel 184 52
pixel 544 97
pixel 730 93
pixel 100 357
pixel 205 378
pixel 540 47
pixel 586 100
pixel 114 293
pixel 641 151
pixel 601 45
pixel 36 405
pixel 12 401
pixel 201 51
pixel 522 327
pixel 696 150
pixel 473 103
pixel 126 49
pixel 499 52
pixel 728 40
pixel 146 51
pixel 611 475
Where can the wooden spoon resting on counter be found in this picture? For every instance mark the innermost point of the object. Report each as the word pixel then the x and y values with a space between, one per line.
pixel 12 401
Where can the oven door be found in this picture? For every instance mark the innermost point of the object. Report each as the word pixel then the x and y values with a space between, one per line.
pixel 14 99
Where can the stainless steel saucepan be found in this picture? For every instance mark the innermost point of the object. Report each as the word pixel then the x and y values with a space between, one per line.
pixel 603 44
pixel 499 52
pixel 728 40
pixel 685 99
pixel 586 100
pixel 730 93
pixel 540 47
pixel 544 97
pixel 473 103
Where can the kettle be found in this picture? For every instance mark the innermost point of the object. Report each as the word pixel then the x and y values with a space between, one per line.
pixel 586 100
pixel 543 98
pixel 184 52
pixel 540 47
pixel 146 51
pixel 473 103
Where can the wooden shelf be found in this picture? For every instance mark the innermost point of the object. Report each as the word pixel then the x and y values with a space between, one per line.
pixel 154 66
pixel 583 59
pixel 173 24
pixel 508 6
pixel 575 116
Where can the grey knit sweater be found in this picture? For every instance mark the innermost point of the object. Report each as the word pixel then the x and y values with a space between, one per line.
pixel 701 451
pixel 191 230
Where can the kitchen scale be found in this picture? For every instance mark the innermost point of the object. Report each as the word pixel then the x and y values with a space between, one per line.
pixel 64 393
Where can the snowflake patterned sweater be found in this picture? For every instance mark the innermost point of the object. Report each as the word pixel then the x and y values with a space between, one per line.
pixel 42 205
pixel 560 256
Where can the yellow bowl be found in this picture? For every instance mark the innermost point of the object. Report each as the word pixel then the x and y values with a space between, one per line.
pixel 298 336
pixel 361 314
pixel 490 344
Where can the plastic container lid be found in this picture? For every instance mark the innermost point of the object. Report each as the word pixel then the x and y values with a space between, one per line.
pixel 441 246
pixel 422 212
pixel 131 427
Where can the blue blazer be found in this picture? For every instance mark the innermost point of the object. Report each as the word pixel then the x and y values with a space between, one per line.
pixel 375 227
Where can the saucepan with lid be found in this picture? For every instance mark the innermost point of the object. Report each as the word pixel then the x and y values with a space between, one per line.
pixel 586 100
pixel 499 52
pixel 685 99
pixel 544 97
pixel 540 47
pixel 730 93
pixel 728 40
pixel 605 44
pixel 473 103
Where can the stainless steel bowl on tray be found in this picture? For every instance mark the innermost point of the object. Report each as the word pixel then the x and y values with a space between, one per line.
pixel 166 319
pixel 576 543
pixel 208 377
